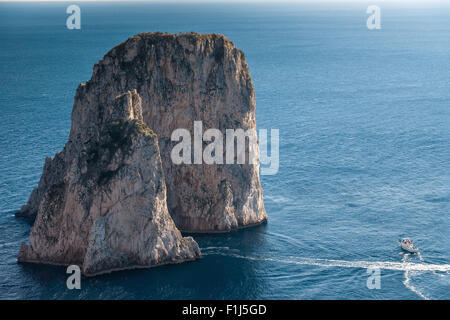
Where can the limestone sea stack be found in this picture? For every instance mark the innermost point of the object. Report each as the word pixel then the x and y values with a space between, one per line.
pixel 103 200
pixel 113 198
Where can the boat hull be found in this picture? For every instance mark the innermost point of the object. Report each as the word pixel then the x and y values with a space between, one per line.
pixel 409 249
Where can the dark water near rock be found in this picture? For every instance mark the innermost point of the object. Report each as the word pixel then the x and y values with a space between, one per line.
pixel 364 119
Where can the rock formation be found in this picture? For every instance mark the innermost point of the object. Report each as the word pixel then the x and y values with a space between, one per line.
pixel 105 206
pixel 101 202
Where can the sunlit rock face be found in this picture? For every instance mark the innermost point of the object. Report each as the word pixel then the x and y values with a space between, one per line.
pixel 181 79
pixel 103 199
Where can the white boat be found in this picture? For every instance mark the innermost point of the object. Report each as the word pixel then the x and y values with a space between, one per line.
pixel 408 245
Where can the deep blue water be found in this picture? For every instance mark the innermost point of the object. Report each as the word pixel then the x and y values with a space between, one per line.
pixel 364 120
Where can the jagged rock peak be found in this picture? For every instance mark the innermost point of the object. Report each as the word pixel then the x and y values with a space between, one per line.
pixel 183 78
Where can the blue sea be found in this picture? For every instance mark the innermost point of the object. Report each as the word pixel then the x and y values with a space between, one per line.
pixel 364 120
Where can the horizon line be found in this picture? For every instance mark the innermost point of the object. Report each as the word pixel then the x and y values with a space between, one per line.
pixel 237 1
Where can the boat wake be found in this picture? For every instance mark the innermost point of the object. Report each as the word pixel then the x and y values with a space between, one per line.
pixel 386 265
pixel 407 281
pixel 409 268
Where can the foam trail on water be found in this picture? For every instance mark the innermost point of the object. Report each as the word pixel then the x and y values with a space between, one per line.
pixel 410 286
pixel 407 281
pixel 420 256
pixel 386 265
pixel 407 267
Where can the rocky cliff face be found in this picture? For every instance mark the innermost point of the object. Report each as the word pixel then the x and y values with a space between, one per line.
pixel 181 79
pixel 101 201
pixel 104 206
